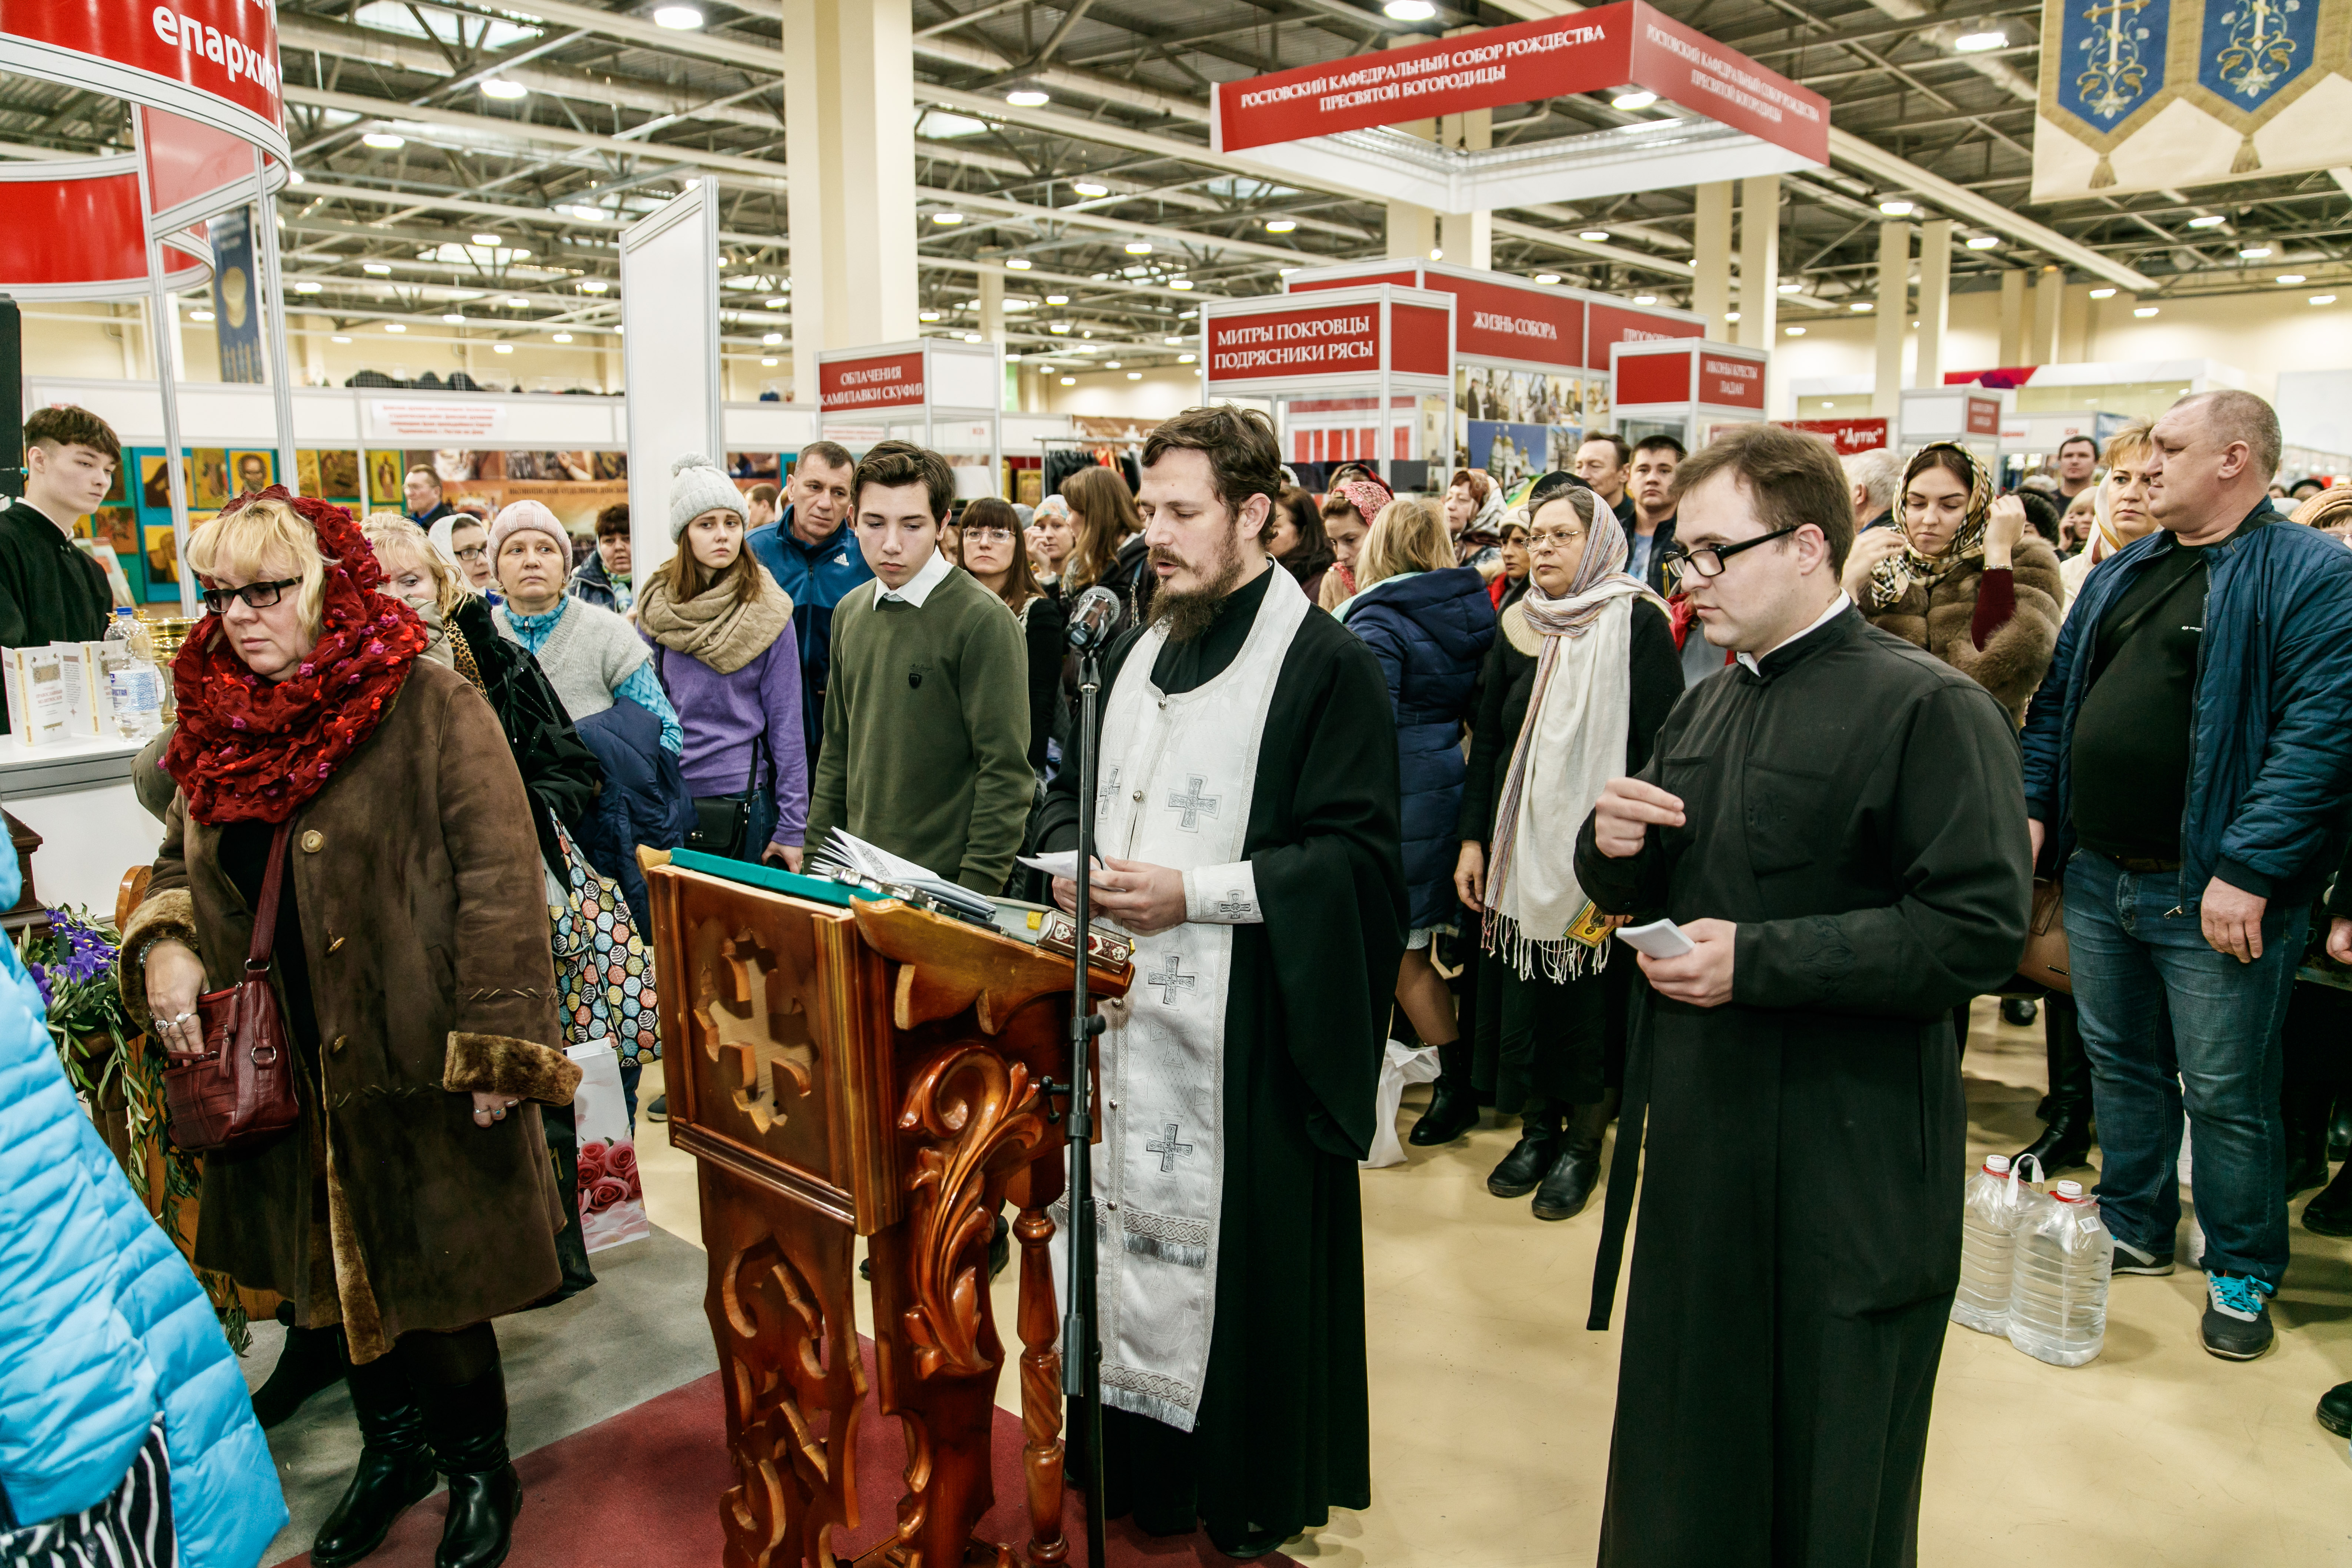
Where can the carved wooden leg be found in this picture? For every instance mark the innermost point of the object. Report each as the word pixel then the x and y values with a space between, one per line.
pixel 1041 1390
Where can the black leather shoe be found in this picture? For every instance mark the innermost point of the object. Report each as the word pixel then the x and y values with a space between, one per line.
pixel 395 1469
pixel 2335 1410
pixel 1450 1113
pixel 1567 1186
pixel 2330 1214
pixel 311 1360
pixel 2305 1111
pixel 2339 1130
pixel 2017 1010
pixel 1529 1159
pixel 2064 1144
pixel 1250 1547
pixel 1000 1243
pixel 468 1427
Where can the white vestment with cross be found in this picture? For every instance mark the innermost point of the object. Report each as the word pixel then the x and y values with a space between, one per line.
pixel 1176 774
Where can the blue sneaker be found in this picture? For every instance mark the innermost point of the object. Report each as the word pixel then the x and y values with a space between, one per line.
pixel 2237 1324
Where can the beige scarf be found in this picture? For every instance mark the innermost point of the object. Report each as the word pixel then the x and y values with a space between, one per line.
pixel 714 625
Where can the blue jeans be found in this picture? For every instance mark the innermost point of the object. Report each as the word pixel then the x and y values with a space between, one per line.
pixel 2166 1019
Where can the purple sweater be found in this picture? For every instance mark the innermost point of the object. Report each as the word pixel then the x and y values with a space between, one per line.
pixel 723 714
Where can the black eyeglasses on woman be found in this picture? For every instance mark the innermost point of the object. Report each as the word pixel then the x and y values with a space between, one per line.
pixel 256 596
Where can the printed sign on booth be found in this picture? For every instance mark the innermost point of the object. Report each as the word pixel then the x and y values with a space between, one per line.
pixel 1731 381
pixel 1848 436
pixel 206 58
pixel 1606 326
pixel 884 381
pixel 1312 341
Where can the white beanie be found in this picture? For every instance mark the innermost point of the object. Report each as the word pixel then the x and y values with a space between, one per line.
pixel 696 486
pixel 519 516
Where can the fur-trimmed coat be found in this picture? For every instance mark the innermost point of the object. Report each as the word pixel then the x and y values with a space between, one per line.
pixel 2015 658
pixel 423 923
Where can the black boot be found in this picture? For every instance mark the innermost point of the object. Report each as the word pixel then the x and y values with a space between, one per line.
pixel 2339 1130
pixel 2017 1010
pixel 395 1469
pixel 1532 1155
pixel 468 1427
pixel 1568 1187
pixel 1453 1103
pixel 2065 1140
pixel 2305 1110
pixel 312 1360
pixel 2330 1214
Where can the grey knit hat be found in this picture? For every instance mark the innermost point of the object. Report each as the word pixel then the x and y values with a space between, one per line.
pixel 695 486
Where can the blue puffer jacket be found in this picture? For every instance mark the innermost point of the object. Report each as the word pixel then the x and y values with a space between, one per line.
pixel 644 800
pixel 101 1325
pixel 2272 736
pixel 1431 631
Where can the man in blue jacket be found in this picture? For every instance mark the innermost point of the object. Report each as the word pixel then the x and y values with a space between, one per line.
pixel 812 552
pixel 2187 762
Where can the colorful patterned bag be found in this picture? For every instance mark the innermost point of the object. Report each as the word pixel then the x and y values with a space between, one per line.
pixel 603 974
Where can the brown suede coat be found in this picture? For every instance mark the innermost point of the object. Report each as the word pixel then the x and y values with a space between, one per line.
pixel 424 922
pixel 2013 659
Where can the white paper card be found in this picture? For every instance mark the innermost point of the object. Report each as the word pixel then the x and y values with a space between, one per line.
pixel 1659 939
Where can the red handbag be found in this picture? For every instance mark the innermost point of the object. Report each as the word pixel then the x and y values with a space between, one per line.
pixel 239 1089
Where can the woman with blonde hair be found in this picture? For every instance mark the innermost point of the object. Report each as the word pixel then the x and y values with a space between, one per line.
pixel 371 793
pixel 2119 511
pixel 2330 511
pixel 1429 622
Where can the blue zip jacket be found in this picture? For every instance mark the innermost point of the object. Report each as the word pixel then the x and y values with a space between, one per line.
pixel 102 1324
pixel 2271 741
pixel 817 578
pixel 1431 631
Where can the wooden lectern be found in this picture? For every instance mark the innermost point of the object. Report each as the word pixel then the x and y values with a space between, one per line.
pixel 866 1069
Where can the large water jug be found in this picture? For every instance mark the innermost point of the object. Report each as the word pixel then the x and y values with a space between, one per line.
pixel 2058 1294
pixel 1992 1208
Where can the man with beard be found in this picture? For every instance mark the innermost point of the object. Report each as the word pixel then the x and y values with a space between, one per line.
pixel 1247 783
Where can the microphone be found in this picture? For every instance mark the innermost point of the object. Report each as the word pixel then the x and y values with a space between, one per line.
pixel 1093 619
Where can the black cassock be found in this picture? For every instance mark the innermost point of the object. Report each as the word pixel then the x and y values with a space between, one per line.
pixel 1282 1434
pixel 1855 808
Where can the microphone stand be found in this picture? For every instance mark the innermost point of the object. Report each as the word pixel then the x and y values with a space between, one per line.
pixel 1081 1340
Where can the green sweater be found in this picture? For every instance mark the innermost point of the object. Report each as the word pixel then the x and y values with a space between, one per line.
pixel 927 732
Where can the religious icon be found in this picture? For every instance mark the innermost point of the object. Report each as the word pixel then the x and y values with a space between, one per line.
pixel 154 484
pixel 338 478
pixel 384 470
pixel 116 526
pixel 252 471
pixel 208 477
pixel 164 552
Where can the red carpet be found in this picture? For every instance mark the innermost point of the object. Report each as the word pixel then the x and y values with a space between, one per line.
pixel 642 1490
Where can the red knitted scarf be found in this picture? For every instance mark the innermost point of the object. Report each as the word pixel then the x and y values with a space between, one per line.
pixel 249 750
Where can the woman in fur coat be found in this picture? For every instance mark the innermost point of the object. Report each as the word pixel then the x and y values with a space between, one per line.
pixel 1962 576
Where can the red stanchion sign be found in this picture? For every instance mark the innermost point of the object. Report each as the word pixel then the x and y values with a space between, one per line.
pixel 1848 436
pixel 1609 46
pixel 209 59
pixel 884 381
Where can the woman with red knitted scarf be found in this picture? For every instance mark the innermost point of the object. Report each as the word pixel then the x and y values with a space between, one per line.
pixel 414 1202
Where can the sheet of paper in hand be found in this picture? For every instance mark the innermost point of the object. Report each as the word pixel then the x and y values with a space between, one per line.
pixel 1659 939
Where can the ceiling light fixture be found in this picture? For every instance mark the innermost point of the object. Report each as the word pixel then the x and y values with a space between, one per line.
pixel 1731 315
pixel 1896 207
pixel 947 218
pixel 200 315
pixel 563 337
pixel 1792 287
pixel 515 302
pixel 339 338
pixel 1593 236
pixel 375 268
pixel 1138 248
pixel 505 92
pixel 2255 253
pixel 1984 242
pixel 1792 331
pixel 453 320
pixel 1182 285
pixel 779 302
pixel 1862 307
pixel 1280 225
pixel 1028 95
pixel 927 315
pixel 2210 220
pixel 384 140
pixel 503 347
pixel 309 288
pixel 2290 277
pixel 1978 43
pixel 1645 299
pixel 1089 188
pixel 772 338
pixel 678 18
pixel 1134 375
pixel 1188 359
pixel 2322 299
pixel 393 327
pixel 769 360
pixel 1057 298
pixel 1069 380
pixel 593 285
pixel 1409 10
pixel 294 176
pixel 489 239
pixel 2103 293
pixel 1640 98
pixel 1546 279
pixel 1019 263
pixel 974 338
pixel 2144 312
pixel 1171 342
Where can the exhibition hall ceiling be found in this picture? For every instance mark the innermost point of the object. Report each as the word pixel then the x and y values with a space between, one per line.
pixel 467 165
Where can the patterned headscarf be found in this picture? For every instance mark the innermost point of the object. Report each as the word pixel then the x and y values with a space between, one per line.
pixel 1364 491
pixel 1908 567
pixel 1605 555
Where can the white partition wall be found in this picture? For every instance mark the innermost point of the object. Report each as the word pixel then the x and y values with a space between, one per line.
pixel 669 351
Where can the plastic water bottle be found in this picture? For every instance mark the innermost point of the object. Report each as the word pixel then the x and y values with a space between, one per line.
pixel 134 687
pixel 1992 1208
pixel 2058 1295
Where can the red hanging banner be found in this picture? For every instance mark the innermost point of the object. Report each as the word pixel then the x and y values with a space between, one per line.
pixel 214 60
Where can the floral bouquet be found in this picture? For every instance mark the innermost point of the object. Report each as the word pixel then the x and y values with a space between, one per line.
pixel 612 1195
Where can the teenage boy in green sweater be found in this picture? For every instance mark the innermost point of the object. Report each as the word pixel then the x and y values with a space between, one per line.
pixel 926 746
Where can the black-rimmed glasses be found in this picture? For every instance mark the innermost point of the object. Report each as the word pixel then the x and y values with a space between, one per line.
pixel 256 596
pixel 1707 559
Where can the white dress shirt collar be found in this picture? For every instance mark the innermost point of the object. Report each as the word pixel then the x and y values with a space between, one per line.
pixel 918 587
pixel 1837 608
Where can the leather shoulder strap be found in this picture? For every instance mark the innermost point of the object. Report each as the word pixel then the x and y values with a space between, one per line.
pixel 265 918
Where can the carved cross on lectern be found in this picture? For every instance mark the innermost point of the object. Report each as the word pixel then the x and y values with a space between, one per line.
pixel 746 1044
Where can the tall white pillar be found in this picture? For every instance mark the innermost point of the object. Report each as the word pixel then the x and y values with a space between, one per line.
pixel 2012 317
pixel 1759 258
pixel 992 301
pixel 1894 317
pixel 1413 230
pixel 2049 289
pixel 1935 300
pixel 850 139
pixel 1467 239
pixel 1711 254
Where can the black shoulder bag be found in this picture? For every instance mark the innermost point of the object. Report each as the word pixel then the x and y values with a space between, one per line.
pixel 720 820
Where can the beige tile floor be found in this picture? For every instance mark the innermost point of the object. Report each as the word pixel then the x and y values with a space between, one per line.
pixel 1491 1404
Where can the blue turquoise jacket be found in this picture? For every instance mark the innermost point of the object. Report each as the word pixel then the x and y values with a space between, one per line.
pixel 2271 738
pixel 102 1324
pixel 815 579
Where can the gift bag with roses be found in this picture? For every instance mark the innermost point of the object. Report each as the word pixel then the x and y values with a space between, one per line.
pixel 611 1197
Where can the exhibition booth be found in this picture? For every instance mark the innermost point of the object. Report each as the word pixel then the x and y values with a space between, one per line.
pixel 1689 388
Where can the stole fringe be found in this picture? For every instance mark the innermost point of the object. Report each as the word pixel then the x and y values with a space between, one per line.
pixel 1165 1250
pixel 1562 959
